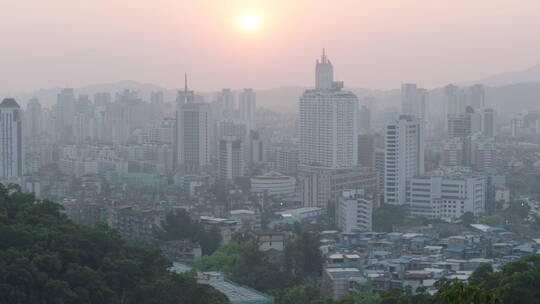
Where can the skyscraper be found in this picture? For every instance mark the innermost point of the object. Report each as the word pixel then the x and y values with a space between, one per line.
pixel 247 107
pixel 364 118
pixel 477 97
pixel 34 118
pixel 231 157
pixel 65 107
pixel 404 144
pixel 488 123
pixel 327 124
pixel 226 101
pixel 413 100
pixel 11 157
pixel 192 133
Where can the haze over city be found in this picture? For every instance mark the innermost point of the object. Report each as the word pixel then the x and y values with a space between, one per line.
pixel 377 44
pixel 269 152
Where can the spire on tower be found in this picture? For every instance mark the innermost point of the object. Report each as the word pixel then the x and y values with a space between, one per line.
pixel 185 82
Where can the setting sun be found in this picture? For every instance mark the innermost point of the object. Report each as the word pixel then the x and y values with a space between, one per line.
pixel 250 21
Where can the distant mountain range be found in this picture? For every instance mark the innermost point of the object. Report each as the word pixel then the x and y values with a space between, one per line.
pixel 505 92
pixel 529 75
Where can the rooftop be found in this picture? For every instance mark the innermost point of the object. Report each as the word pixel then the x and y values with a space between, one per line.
pixel 9 103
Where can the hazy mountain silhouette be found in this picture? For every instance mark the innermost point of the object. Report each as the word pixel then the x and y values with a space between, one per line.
pixel 528 75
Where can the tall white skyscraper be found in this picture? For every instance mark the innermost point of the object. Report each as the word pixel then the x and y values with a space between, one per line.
pixel 192 134
pixel 11 156
pixel 328 122
pixel 247 107
pixel 404 144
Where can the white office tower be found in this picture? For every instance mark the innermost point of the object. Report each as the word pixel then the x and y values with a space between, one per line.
pixel 11 156
pixel 192 134
pixel 447 192
pixel 227 104
pixel 488 122
pixel 328 123
pixel 247 107
pixel 413 100
pixel 231 158
pixel 404 143
pixel 354 211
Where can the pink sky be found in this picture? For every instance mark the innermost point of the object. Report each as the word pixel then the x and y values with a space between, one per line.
pixel 373 44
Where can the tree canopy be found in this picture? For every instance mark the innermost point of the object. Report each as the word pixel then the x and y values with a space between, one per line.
pixel 46 258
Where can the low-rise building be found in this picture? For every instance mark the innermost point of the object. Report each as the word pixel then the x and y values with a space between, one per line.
pixel 275 184
pixel 269 239
pixel 354 211
pixel 447 193
pixel 340 281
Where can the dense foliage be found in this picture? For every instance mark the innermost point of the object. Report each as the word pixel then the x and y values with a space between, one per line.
pixel 243 262
pixel 179 225
pixel 46 258
pixel 386 217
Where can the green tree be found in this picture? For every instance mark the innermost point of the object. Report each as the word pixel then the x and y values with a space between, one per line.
pixel 179 225
pixel 468 218
pixel 299 294
pixel 46 258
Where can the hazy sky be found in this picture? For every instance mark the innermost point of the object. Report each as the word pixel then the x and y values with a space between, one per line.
pixel 373 44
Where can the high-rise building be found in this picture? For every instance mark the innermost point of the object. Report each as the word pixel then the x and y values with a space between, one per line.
pixel 231 158
pixel 366 150
pixel 404 144
pixel 11 156
pixel 102 98
pixel 488 122
pixel 65 114
pixel 256 148
pixel 364 120
pixel 455 100
pixel 452 152
pixel 463 124
pixel 327 125
pixel 156 97
pixel 477 97
pixel 247 107
pixel 413 100
pixel 227 103
pixel 34 118
pixel 192 133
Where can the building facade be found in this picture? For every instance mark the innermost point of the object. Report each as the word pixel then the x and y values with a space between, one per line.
pixel 404 144
pixel 11 156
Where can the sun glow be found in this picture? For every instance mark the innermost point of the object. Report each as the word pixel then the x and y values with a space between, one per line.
pixel 250 21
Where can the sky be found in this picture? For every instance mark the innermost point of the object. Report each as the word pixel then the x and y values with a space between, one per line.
pixel 375 44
